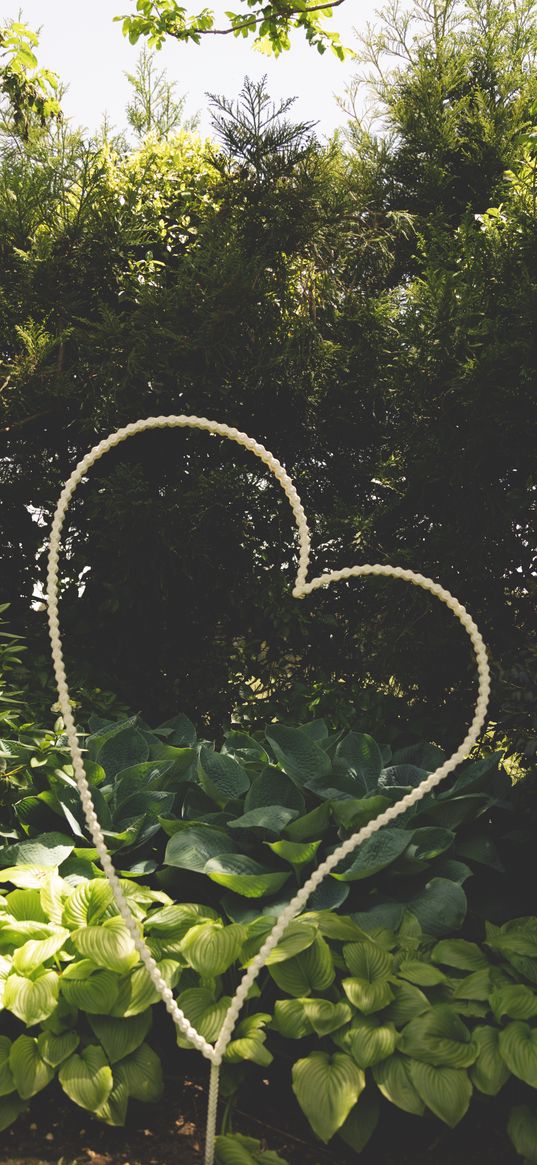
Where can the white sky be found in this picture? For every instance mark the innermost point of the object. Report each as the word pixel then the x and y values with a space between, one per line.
pixel 89 52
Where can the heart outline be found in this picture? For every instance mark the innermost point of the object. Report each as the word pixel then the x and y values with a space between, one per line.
pixel 302 588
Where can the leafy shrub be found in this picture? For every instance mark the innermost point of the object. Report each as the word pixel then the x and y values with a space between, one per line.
pixel 355 1015
pixel 241 828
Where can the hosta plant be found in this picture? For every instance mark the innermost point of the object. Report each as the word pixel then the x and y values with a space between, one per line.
pixel 355 1018
pixel 241 827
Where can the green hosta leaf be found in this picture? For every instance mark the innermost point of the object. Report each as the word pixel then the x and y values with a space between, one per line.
pixel 108 945
pixel 367 960
pixel 222 777
pixel 409 1002
pixel 312 970
pixel 299 756
pixel 489 1073
pixel 359 756
pixel 88 904
pixel 440 907
pixel 297 937
pixel 401 777
pixel 31 1000
pixel 354 812
pixel 516 1000
pixel 54 1049
pixel 518 1047
pixel 369 1042
pixel 52 894
pixel 296 852
pixel 516 937
pixel 446 1091
pixel 87 1078
pixel 178 731
pixel 375 854
pixel 438 1037
pixel 457 952
pixel 120 1037
pixel 272 787
pixel 193 846
pixel 50 849
pixel 474 986
pixel 361 1121
pixel 327 1088
pixel 25 877
pixel 63 1018
pixel 142 1074
pixel 393 1079
pixel 244 876
pixel 37 951
pixel 296 1018
pixel 270 818
pixel 83 985
pixel 114 1109
pixel 204 1013
pixel 30 1071
pixel 235 1149
pixel 25 905
pixel 122 751
pixel 311 826
pixel 10 1108
pixel 430 842
pixel 7 1083
pixel 522 1129
pixel 367 996
pixel 424 974
pixel 211 948
pixel 136 991
pixel 176 920
pixel 249 1043
pixel 338 927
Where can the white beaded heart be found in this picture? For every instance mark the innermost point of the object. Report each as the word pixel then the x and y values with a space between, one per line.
pixel 214 1053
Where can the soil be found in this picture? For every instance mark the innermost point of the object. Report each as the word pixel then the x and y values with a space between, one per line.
pixel 55 1132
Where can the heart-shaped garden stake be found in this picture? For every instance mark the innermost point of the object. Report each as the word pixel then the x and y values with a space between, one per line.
pixel 214 1053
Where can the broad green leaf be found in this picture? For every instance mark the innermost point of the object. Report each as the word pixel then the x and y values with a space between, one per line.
pixel 37 951
pixel 367 996
pixel 30 1071
pixel 25 905
pixel 489 1073
pixel 120 1037
pixel 108 945
pixel 311 826
pixel 401 776
pixel 10 1108
pixel 478 985
pixel 272 787
pixel 297 937
pixel 429 842
pixel 86 986
pixel 222 777
pixel 338 927
pixel 295 1018
pixel 295 852
pixel 53 893
pixel 249 1044
pixel 354 812
pixel 440 907
pixel 7 1083
pixel 438 1037
pixel 417 971
pixel 178 731
pixel 142 1074
pixel 204 1012
pixel 88 903
pixel 50 849
pixel 54 1049
pixel 244 876
pixel 136 991
pixel 518 1047
pixel 31 1000
pixel 299 756
pixel 87 1078
pixel 458 952
pixel 122 751
pixel 426 756
pixel 312 970
pixel 515 1000
pixel 446 1091
pixel 327 1088
pixel 235 1149
pixel 367 960
pixel 359 756
pixel 522 1129
pixel 374 854
pixel 392 1078
pixel 96 742
pixel 114 1109
pixel 192 847
pixel 369 1041
pixel 211 948
pixel 361 1121
pixel 270 818
pixel 177 919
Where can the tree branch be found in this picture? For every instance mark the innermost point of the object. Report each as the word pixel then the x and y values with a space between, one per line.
pixel 253 21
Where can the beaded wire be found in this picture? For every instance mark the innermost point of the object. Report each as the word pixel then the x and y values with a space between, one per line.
pixel 215 1052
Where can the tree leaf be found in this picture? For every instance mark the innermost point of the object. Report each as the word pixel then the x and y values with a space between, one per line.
pixel 327 1088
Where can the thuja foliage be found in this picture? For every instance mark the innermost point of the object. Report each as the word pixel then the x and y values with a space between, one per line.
pixel 356 1018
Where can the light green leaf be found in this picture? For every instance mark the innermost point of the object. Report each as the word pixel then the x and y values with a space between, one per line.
pixel 298 936
pixel 7 1083
pixel 296 852
pixel 353 813
pixel 367 996
pixel 29 1070
pixel 409 1001
pixel 204 1013
pixel 177 919
pixel 244 876
pixel 458 952
pixel 142 1074
pixel 136 991
pixel 311 826
pixel 87 1078
pixel 25 905
pixel 518 1047
pixel 312 970
pixel 417 971
pixel 114 1110
pixel 446 1091
pixel 474 986
pixel 296 1018
pixel 86 986
pixel 327 1088
pixel 120 1037
pixel 31 1000
pixel 369 1041
pixel 516 1000
pixel 368 960
pixel 211 948
pixel 192 847
pixel 35 952
pixel 49 849
pixel 489 1073
pixel 88 903
pixel 108 945
pixel 438 1037
pixel 222 777
pixel 393 1080
pixel 56 1048
pixel 522 1129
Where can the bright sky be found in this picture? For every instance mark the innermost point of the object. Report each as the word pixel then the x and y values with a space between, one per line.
pixel 90 53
